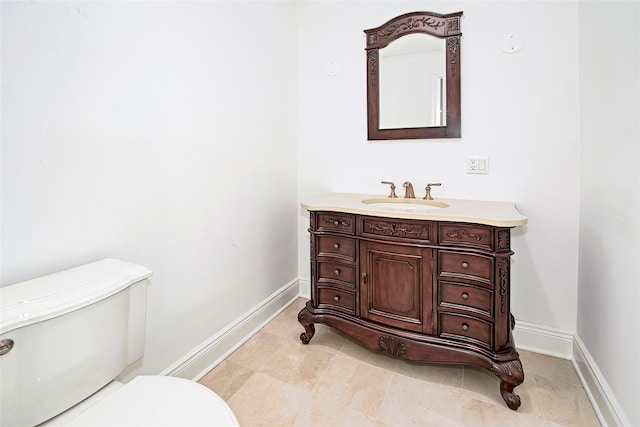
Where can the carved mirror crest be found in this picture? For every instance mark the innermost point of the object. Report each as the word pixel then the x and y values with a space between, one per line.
pixel 413 77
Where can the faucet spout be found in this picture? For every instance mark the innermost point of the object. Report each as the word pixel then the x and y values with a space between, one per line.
pixel 408 190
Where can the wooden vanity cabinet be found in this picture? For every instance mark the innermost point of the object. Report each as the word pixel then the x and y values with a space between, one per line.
pixel 424 291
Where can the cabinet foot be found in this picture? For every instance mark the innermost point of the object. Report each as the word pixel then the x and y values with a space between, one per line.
pixel 306 320
pixel 511 375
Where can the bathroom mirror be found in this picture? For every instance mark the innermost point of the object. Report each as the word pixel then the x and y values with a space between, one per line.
pixel 413 77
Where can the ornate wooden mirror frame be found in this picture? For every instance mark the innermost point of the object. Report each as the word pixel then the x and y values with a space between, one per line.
pixel 442 26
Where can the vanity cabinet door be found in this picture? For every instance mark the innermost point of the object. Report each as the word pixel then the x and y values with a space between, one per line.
pixel 396 286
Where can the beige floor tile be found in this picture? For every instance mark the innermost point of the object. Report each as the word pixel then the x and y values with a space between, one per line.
pixel 565 403
pixel 479 413
pixel 258 351
pixel 366 388
pixel 298 364
pixel 336 377
pixel 411 402
pixel 266 401
pixel 226 378
pixel 549 367
pixel 349 386
pixel 275 380
pixel 327 410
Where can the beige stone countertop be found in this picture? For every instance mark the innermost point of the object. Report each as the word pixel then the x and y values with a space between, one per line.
pixel 501 214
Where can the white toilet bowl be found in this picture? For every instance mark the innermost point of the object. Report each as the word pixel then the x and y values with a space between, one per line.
pixel 150 401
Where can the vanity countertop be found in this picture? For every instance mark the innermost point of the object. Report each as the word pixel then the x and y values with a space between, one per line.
pixel 500 214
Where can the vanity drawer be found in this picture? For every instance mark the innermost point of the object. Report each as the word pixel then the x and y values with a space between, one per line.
pixel 396 229
pixel 337 299
pixel 465 297
pixel 332 272
pixel 465 266
pixel 468 235
pixel 335 222
pixel 465 328
pixel 336 247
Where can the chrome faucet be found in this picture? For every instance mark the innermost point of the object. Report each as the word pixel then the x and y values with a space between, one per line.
pixel 408 190
pixel 428 195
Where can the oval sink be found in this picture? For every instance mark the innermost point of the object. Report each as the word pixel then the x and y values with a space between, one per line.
pixel 406 204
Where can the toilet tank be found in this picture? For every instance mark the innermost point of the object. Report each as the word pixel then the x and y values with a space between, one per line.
pixel 66 335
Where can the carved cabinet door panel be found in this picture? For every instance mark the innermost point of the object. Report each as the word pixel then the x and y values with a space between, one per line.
pixel 396 286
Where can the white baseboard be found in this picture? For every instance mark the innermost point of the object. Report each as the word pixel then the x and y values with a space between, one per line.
pixel 213 351
pixel 543 339
pixel 602 398
pixel 305 288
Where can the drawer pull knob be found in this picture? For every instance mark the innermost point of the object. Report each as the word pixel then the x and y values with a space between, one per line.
pixel 336 246
pixel 336 272
pixel 465 327
pixel 336 298
pixel 465 296
pixel 336 222
pixel 465 265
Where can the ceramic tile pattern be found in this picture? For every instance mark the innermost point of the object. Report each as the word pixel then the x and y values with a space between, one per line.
pixel 275 380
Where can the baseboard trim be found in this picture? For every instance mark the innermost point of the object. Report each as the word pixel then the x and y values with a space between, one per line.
pixel 210 353
pixel 600 394
pixel 543 339
pixel 305 288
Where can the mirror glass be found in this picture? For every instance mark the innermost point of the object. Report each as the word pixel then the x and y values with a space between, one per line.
pixel 413 77
pixel 412 82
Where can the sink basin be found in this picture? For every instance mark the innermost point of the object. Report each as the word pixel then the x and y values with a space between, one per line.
pixel 405 204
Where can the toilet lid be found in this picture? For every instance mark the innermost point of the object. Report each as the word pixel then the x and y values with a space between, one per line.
pixel 159 401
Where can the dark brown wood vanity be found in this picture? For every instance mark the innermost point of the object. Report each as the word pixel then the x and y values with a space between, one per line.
pixel 424 290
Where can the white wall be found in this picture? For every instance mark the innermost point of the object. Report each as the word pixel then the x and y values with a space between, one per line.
pixel 519 109
pixel 608 293
pixel 162 133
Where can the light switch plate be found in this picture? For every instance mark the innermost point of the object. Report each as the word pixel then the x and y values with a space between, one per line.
pixel 478 164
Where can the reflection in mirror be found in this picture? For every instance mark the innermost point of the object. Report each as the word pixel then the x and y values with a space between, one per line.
pixel 412 83
pixel 413 77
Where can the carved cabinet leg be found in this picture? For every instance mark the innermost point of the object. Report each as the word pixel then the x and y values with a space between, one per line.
pixel 306 320
pixel 511 375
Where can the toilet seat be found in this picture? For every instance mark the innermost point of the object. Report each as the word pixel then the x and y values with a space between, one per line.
pixel 158 401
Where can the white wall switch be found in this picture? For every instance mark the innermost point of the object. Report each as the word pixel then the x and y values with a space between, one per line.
pixel 477 164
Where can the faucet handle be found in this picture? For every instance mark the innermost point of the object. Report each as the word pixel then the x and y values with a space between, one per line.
pixel 393 189
pixel 428 189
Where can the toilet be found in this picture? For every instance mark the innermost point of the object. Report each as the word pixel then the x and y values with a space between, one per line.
pixel 65 337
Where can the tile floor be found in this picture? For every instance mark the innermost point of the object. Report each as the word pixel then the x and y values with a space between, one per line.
pixel 275 380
